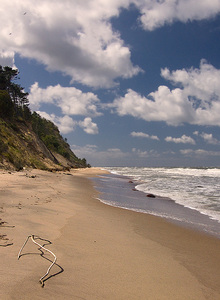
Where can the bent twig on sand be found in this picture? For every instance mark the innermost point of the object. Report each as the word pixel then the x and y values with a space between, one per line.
pixel 41 247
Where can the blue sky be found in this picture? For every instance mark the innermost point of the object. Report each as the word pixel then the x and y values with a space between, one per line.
pixel 128 83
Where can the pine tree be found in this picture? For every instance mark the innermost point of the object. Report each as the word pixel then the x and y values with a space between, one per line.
pixel 16 93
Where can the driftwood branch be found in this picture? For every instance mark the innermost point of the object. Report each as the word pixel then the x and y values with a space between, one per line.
pixel 41 247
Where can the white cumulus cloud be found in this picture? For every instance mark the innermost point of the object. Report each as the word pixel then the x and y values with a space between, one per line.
pixel 157 13
pixel 7 58
pixel 77 38
pixel 162 105
pixel 72 101
pixel 196 100
pixel 144 135
pixel 208 137
pixel 202 83
pixel 89 126
pixel 65 124
pixel 196 132
pixel 71 36
pixel 184 139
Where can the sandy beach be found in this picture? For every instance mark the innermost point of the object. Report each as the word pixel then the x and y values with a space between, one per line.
pixel 102 252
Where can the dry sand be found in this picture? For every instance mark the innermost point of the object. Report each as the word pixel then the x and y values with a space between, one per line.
pixel 102 252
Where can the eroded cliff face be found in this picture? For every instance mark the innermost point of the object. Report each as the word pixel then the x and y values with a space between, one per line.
pixel 21 147
pixel 27 139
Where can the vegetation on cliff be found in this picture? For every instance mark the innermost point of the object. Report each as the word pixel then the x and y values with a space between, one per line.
pixel 27 139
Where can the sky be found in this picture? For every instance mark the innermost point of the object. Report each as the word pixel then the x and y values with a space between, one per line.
pixel 128 83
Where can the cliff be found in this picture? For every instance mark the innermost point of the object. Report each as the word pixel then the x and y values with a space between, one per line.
pixel 27 139
pixel 21 146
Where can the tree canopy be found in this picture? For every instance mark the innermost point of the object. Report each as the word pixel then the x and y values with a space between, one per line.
pixel 13 99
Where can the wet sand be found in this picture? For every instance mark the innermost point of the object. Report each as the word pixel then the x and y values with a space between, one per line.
pixel 102 252
pixel 120 191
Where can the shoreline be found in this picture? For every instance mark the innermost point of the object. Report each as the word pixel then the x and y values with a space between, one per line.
pixel 193 188
pixel 105 252
pixel 120 191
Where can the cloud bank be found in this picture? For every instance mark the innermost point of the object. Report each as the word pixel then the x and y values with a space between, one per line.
pixel 199 153
pixel 74 37
pixel 101 158
pixel 77 38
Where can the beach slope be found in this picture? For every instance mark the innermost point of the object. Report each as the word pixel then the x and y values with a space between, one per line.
pixel 102 252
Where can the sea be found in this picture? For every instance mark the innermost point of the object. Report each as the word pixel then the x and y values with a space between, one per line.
pixel 187 196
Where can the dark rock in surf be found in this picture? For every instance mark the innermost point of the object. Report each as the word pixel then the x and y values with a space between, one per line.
pixel 151 196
